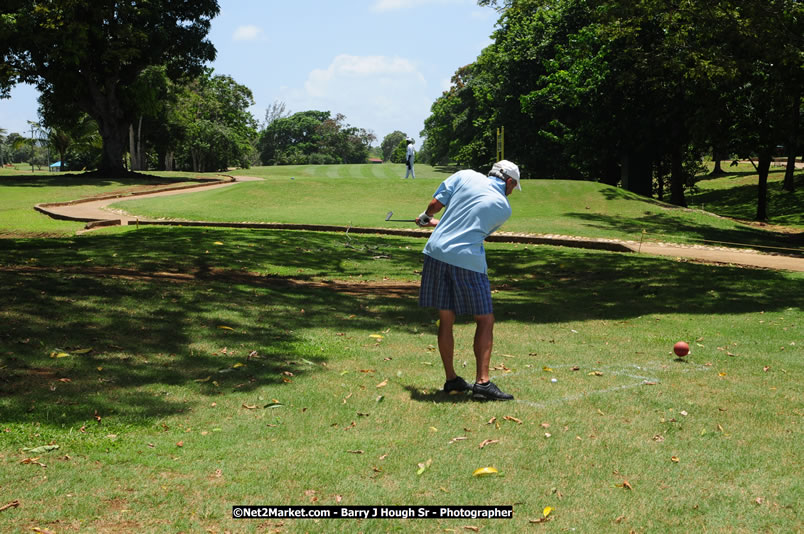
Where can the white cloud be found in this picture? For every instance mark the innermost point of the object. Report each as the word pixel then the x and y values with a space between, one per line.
pixel 395 5
pixel 347 69
pixel 380 93
pixel 247 33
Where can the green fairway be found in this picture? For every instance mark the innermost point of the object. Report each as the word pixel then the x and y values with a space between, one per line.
pixel 21 192
pixel 735 195
pixel 362 195
pixel 183 371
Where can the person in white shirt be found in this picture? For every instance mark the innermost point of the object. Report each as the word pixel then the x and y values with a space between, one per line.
pixel 455 274
pixel 409 157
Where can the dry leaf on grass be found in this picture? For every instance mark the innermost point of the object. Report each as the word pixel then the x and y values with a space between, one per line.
pixel 12 504
pixel 382 384
pixel 424 466
pixel 512 419
pixel 488 442
pixel 484 471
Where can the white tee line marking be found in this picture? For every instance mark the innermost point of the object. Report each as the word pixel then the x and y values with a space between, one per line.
pixel 569 398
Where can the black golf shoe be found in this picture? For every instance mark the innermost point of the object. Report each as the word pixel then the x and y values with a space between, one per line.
pixel 489 391
pixel 456 384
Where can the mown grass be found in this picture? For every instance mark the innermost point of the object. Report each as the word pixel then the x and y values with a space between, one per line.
pixel 19 193
pixel 361 195
pixel 168 421
pixel 735 195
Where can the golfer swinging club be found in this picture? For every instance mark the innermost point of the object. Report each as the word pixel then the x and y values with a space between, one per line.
pixel 454 278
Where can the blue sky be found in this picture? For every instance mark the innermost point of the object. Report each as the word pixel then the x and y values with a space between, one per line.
pixel 381 63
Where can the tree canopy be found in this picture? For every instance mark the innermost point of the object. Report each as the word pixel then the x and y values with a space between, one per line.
pixel 313 137
pixel 627 91
pixel 87 56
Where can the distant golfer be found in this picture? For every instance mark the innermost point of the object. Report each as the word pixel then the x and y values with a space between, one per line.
pixel 454 278
pixel 410 155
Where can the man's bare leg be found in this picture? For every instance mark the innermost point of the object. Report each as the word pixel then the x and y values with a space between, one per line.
pixel 484 339
pixel 446 341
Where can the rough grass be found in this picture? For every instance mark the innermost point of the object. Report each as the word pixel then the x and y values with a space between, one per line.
pixel 170 418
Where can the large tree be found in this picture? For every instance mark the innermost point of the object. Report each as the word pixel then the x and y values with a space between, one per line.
pixel 87 56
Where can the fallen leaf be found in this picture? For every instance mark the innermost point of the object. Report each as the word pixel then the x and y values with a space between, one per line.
pixel 203 379
pixel 12 504
pixel 546 512
pixel 33 461
pixel 470 527
pixel 625 485
pixel 595 373
pixel 424 466
pixel 376 336
pixel 459 438
pixel 488 442
pixel 226 328
pixel 492 421
pixel 382 384
pixel 358 451
pixel 249 406
pixel 674 459
pixel 41 449
pixel 42 530
pixel 485 471
pixel 547 370
pixel 512 419
pixel 338 498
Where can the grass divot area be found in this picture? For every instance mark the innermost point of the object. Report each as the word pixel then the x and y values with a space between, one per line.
pixel 181 371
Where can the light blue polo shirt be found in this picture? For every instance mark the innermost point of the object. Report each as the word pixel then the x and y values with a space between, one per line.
pixel 476 206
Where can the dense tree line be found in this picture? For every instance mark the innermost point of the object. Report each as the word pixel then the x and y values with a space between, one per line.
pixel 313 137
pixel 125 82
pixel 629 92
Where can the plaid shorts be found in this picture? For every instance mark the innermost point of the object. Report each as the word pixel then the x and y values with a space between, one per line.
pixel 447 287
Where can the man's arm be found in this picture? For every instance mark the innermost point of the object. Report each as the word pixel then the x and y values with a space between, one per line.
pixel 426 218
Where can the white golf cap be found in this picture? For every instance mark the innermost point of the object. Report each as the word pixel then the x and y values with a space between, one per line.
pixel 508 169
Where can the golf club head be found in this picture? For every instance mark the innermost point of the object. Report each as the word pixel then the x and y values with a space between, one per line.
pixel 388 217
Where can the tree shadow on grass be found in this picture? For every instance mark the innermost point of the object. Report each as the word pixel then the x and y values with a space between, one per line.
pixel 668 227
pixel 437 396
pixel 168 308
pixel 740 202
pixel 558 285
pixel 73 180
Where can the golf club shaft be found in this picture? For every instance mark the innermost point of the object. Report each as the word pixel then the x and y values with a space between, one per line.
pixel 400 220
